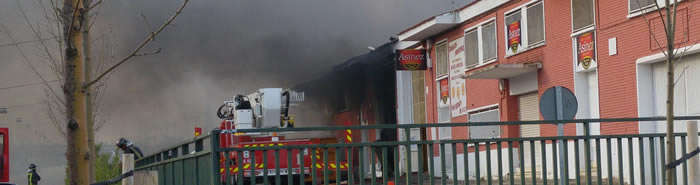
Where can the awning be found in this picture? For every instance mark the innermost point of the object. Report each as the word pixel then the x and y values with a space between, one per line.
pixel 430 27
pixel 443 22
pixel 502 71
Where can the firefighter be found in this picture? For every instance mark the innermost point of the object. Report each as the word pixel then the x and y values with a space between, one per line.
pixel 129 148
pixel 32 176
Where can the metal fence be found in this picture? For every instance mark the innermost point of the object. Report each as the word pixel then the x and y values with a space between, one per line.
pixel 188 163
pixel 588 159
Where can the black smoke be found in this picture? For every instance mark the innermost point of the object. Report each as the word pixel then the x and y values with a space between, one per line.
pixel 214 50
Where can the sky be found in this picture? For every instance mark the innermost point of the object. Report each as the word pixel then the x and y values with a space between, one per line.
pixel 214 50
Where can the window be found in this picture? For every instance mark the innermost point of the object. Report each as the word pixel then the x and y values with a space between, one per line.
pixel 638 5
pixel 488 39
pixel 524 28
pixel 443 101
pixel 535 23
pixel 484 132
pixel 443 87
pixel 418 85
pixel 443 67
pixel 480 44
pixel 582 14
pixel 471 48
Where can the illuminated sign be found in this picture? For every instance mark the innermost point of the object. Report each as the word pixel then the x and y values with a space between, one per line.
pixel 411 59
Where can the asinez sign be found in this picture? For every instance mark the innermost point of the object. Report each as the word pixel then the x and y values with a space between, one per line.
pixel 411 59
pixel 458 91
pixel 444 93
pixel 514 38
pixel 585 49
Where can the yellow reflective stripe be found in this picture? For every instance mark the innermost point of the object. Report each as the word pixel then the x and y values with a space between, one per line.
pixel 246 166
pixel 318 166
pixel 263 145
pixel 332 165
pixel 221 170
pixel 235 169
pixel 349 139
pixel 348 131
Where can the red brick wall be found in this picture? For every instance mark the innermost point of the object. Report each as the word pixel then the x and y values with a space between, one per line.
pixel 558 56
pixel 430 97
pixel 617 74
pixel 509 112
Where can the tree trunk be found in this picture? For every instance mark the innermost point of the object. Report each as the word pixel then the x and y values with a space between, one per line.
pixel 87 53
pixel 670 79
pixel 670 140
pixel 77 153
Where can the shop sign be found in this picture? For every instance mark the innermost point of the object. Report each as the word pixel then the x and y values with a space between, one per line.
pixel 514 38
pixel 585 46
pixel 458 91
pixel 411 59
pixel 444 93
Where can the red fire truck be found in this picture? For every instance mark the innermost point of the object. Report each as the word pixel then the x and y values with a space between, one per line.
pixel 269 108
pixel 4 156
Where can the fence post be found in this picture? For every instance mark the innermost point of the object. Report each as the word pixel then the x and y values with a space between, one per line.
pixel 127 165
pixel 587 151
pixel 215 164
pixel 145 177
pixel 693 166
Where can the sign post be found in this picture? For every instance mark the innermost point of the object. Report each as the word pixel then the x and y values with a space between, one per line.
pixel 559 103
pixel 560 132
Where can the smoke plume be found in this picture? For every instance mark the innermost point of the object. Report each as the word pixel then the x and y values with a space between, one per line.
pixel 215 49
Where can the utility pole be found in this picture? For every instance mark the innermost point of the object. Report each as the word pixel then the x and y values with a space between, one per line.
pixel 78 155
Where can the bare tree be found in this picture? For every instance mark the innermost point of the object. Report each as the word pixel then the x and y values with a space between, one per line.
pixel 674 55
pixel 75 112
pixel 55 104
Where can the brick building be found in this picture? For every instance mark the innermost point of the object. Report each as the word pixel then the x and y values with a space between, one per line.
pixel 491 60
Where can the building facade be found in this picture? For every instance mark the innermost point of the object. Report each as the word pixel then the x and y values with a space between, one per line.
pixel 491 60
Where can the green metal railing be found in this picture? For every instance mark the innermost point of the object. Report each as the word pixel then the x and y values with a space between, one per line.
pixel 589 159
pixel 187 163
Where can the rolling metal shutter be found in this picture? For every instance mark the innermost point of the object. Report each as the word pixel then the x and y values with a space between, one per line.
pixel 529 110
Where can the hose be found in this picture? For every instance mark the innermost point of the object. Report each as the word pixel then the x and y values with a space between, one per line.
pixel 115 179
pixel 218 112
pixel 286 110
